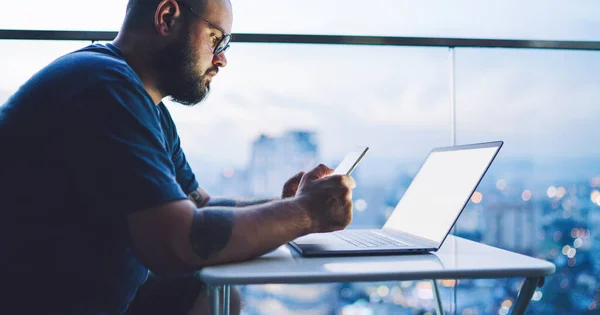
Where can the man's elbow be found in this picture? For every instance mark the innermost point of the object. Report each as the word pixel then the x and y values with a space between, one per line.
pixel 176 265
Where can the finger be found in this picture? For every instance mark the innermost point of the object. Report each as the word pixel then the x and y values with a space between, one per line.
pixel 297 177
pixel 294 180
pixel 291 186
pixel 318 172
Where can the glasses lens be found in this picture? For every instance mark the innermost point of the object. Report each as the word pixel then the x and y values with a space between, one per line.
pixel 222 45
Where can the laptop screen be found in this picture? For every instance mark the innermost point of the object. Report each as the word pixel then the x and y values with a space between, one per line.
pixel 440 190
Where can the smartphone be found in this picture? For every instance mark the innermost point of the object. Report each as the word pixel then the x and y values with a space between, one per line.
pixel 350 161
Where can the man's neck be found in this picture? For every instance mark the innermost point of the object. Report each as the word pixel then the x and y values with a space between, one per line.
pixel 132 46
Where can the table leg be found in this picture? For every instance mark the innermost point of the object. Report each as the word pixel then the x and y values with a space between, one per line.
pixel 214 299
pixel 226 299
pixel 439 307
pixel 525 295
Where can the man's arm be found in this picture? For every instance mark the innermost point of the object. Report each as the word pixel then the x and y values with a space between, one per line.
pixel 178 238
pixel 226 202
pixel 202 199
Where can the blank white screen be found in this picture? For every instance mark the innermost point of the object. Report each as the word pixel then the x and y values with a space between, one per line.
pixel 438 192
pixel 348 162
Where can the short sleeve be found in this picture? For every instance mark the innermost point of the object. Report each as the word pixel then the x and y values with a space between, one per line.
pixel 183 172
pixel 116 152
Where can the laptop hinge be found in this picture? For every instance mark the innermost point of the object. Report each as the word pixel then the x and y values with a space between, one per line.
pixel 411 237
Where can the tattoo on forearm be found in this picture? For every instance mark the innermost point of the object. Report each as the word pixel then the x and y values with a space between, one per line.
pixel 197 197
pixel 211 230
pixel 225 202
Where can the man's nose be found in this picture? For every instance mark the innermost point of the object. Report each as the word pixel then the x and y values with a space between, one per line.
pixel 220 60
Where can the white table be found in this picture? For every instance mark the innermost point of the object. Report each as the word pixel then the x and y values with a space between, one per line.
pixel 458 258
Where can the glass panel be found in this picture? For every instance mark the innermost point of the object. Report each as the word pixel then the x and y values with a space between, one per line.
pixel 314 103
pixel 391 297
pixel 538 19
pixel 344 96
pixel 540 197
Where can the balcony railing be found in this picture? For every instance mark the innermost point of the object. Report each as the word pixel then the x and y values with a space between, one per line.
pixel 328 39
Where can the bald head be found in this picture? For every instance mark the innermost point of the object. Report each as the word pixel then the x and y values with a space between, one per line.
pixel 141 13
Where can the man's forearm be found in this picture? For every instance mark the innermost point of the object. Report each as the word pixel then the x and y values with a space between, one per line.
pixel 222 234
pixel 177 236
pixel 202 199
pixel 228 202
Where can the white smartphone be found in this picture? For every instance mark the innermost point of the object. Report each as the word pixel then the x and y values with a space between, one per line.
pixel 350 161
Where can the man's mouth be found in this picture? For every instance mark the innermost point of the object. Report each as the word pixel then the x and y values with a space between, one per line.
pixel 212 72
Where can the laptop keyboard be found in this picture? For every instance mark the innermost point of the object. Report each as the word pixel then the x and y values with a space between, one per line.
pixel 367 239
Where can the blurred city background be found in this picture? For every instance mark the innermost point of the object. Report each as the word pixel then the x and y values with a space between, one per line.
pixel 281 108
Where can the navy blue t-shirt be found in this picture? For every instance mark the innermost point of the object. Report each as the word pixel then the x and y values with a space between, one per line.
pixel 82 146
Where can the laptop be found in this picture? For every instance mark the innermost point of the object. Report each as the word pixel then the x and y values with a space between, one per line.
pixel 425 214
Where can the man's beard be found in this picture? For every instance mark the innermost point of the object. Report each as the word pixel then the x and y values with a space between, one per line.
pixel 178 78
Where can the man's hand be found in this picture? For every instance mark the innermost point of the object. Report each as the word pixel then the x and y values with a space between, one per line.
pixel 326 198
pixel 291 186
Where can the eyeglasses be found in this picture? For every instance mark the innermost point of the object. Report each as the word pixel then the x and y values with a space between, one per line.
pixel 223 43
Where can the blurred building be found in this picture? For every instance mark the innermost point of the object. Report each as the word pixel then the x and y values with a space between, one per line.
pixel 275 159
pixel 511 226
pixel 234 183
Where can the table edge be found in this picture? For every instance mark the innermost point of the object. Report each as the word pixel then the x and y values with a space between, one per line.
pixel 211 278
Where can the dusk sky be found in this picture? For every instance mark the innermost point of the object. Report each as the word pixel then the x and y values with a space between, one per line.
pixel 394 99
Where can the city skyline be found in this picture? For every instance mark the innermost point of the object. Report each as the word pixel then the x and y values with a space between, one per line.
pixel 546 222
pixel 537 197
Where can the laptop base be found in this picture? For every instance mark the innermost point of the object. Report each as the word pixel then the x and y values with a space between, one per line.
pixel 327 245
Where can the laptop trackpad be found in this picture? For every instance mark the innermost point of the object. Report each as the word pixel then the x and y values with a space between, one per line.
pixel 319 239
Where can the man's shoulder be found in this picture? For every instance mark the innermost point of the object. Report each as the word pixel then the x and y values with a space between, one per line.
pixel 72 77
pixel 95 62
pixel 93 69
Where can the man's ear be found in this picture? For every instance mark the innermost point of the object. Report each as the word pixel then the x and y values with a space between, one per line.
pixel 167 14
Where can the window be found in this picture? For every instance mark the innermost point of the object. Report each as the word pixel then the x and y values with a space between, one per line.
pixel 344 95
pixel 278 108
pixel 540 197
pixel 273 101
